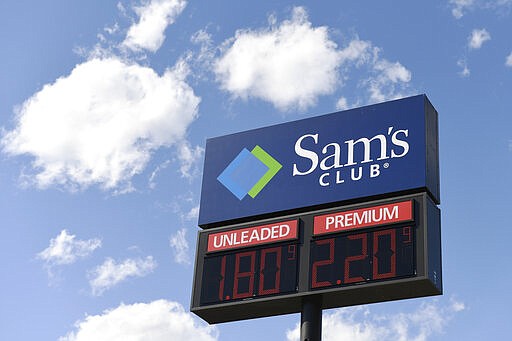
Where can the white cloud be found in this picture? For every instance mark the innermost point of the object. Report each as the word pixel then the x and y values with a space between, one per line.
pixel 159 320
pixel 508 61
pixel 460 6
pixel 154 174
pixel 386 81
pixel 292 64
pixel 289 65
pixel 206 54
pixel 101 123
pixel 465 72
pixel 202 37
pixel 179 245
pixel 188 157
pixel 358 324
pixel 66 249
pixel 111 29
pixel 110 273
pixel 389 79
pixel 154 17
pixel 393 72
pixel 477 38
pixel 358 51
pixel 342 104
pixel 193 214
pixel 457 306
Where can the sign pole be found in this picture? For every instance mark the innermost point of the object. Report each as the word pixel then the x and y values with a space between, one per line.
pixel 311 319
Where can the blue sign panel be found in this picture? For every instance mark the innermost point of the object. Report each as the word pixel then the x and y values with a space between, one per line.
pixel 361 153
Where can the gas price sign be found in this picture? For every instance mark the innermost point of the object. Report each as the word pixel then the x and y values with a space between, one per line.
pixel 254 272
pixel 355 254
pixel 362 257
pixel 324 212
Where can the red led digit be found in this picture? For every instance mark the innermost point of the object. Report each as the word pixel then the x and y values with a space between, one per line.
pixel 222 278
pixel 406 232
pixel 246 274
pixel 292 252
pixel 376 261
pixel 277 278
pixel 314 272
pixel 364 253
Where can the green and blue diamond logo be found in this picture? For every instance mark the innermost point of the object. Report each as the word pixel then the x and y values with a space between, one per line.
pixel 249 172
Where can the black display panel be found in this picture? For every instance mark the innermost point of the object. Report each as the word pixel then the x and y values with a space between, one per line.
pixel 250 273
pixel 356 258
pixel 388 261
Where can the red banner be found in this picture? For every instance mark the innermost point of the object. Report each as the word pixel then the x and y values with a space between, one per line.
pixel 251 236
pixel 364 217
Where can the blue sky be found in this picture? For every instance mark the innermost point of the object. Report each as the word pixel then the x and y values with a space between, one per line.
pixel 105 107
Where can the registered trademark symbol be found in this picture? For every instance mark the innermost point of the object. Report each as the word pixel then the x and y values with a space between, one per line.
pixel 386 165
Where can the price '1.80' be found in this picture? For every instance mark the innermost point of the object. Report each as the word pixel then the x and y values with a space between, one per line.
pixel 249 273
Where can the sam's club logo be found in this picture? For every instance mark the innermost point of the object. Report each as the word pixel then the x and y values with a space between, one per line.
pixel 249 172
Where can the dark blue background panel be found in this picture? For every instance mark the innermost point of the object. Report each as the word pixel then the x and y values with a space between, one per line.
pixel 357 154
